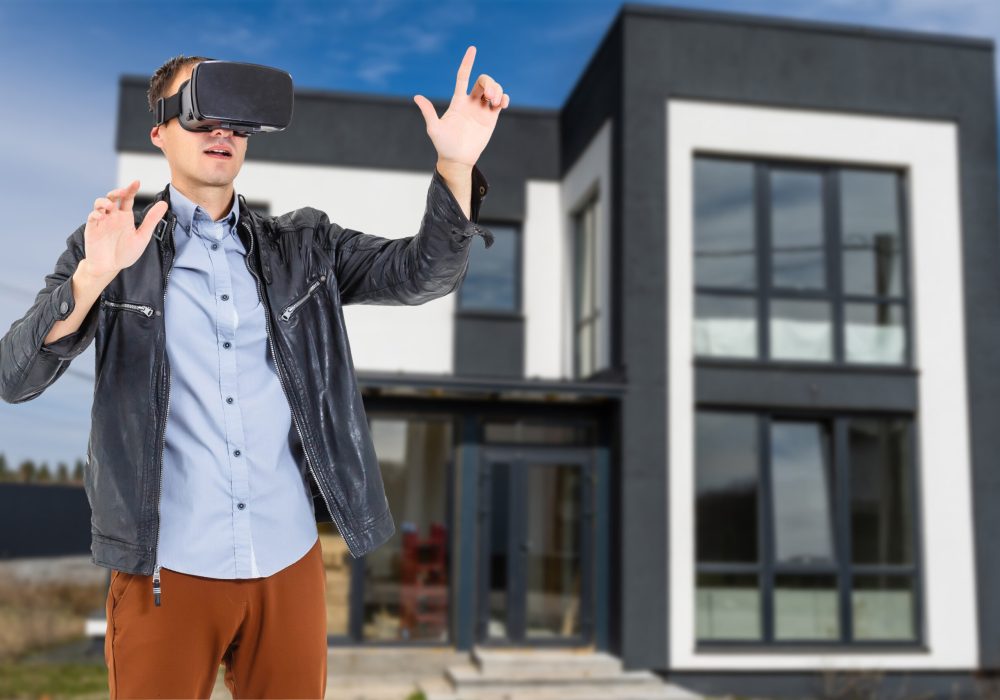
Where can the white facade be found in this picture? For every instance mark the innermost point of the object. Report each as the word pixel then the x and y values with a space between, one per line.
pixel 927 150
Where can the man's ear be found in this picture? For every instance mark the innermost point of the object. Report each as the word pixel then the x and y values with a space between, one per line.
pixel 154 136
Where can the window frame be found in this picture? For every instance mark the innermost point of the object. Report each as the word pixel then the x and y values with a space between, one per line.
pixel 765 291
pixel 844 570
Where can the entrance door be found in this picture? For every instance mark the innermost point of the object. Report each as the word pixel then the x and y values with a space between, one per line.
pixel 535 546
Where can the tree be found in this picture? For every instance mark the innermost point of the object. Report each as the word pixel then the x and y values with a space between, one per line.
pixel 44 474
pixel 78 470
pixel 5 473
pixel 62 473
pixel 27 471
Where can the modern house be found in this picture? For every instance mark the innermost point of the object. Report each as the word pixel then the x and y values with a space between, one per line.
pixel 723 399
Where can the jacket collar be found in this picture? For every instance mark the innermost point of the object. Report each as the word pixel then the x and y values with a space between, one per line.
pixel 248 216
pixel 245 214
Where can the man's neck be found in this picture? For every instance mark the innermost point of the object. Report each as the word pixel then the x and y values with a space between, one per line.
pixel 217 201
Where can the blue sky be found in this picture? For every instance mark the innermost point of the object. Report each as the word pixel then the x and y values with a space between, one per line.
pixel 62 60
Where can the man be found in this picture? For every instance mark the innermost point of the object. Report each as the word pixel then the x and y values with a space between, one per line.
pixel 226 415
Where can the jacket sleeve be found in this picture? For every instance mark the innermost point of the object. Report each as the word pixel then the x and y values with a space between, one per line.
pixel 27 366
pixel 415 269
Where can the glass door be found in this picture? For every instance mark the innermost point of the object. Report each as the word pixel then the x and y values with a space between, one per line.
pixel 536 547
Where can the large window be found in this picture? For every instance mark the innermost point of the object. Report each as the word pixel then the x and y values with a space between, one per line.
pixel 805 528
pixel 586 299
pixel 799 262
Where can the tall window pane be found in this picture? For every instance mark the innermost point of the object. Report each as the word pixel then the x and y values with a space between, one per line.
pixel 871 236
pixel 724 239
pixel 491 281
pixel 406 593
pixel 802 482
pixel 586 308
pixel 881 515
pixel 798 258
pixel 726 457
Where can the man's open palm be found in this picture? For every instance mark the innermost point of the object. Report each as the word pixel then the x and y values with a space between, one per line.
pixel 111 240
pixel 463 132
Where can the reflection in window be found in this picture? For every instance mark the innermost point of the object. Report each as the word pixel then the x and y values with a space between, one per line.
pixel 406 579
pixel 880 492
pixel 797 250
pixel 726 449
pixel 875 333
pixel 870 232
pixel 586 300
pixel 882 607
pixel 801 330
pixel 492 280
pixel 803 492
pixel 725 326
pixel 805 607
pixel 849 306
pixel 724 244
pixel 768 514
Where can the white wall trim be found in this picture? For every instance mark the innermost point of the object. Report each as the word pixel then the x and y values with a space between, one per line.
pixel 928 151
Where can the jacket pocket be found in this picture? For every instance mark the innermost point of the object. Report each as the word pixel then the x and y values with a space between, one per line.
pixel 292 307
pixel 143 309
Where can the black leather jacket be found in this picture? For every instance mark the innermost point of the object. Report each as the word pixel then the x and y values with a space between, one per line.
pixel 306 268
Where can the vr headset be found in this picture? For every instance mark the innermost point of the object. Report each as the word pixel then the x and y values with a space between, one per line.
pixel 245 97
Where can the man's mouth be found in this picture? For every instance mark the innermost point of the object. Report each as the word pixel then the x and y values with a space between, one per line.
pixel 218 153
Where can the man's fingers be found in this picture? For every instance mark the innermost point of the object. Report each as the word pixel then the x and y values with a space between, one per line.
pixel 123 196
pixel 464 71
pixel 153 217
pixel 128 199
pixel 103 204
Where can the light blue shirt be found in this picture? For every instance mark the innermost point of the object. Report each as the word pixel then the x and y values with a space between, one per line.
pixel 235 500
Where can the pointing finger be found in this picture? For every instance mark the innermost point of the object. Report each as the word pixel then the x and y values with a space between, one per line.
pixel 464 71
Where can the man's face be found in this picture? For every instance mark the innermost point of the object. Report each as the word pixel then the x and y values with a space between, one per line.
pixel 186 150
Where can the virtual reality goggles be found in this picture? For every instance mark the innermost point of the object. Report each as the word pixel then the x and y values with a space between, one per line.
pixel 245 97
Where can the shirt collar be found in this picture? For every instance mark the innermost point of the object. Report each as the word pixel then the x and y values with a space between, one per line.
pixel 186 211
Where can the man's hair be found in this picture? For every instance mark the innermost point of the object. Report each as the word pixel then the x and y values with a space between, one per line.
pixel 165 74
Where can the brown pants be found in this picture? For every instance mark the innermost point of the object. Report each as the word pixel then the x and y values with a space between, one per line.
pixel 270 633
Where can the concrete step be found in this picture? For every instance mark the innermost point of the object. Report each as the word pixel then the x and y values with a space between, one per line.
pixel 664 691
pixel 563 663
pixel 464 677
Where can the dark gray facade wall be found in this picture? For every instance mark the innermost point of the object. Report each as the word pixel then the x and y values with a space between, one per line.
pixel 714 56
pixel 372 131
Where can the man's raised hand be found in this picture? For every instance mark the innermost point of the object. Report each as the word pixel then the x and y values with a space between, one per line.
pixel 461 134
pixel 111 240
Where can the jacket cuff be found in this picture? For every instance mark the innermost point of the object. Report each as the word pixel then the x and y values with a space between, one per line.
pixel 462 226
pixel 60 305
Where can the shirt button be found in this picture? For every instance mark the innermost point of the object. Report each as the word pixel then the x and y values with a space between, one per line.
pixel 241 506
pixel 226 344
pixel 229 399
pixel 214 246
pixel 237 453
pixel 225 297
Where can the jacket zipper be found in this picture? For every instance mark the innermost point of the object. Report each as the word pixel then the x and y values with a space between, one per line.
pixel 290 309
pixel 163 434
pixel 146 311
pixel 335 514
